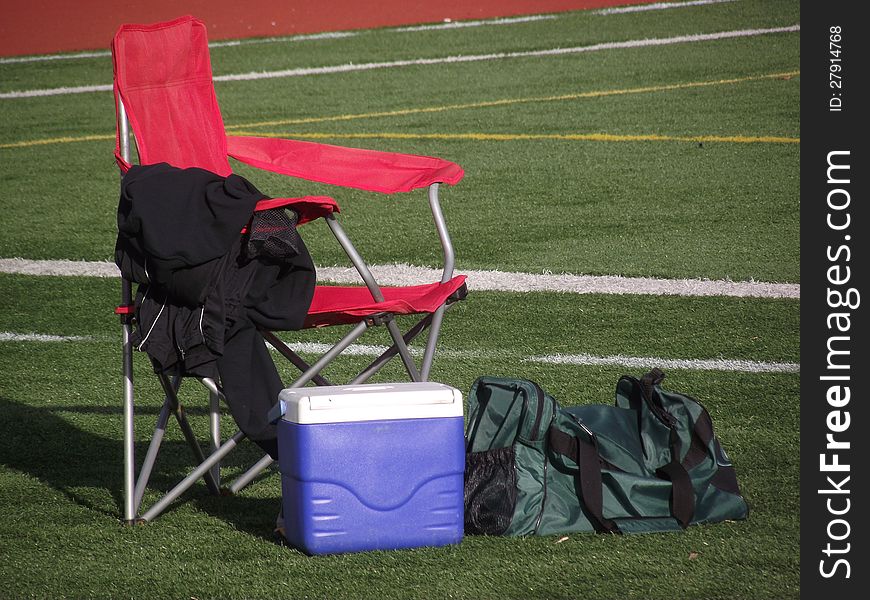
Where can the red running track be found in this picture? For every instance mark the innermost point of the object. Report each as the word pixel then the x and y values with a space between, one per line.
pixel 49 26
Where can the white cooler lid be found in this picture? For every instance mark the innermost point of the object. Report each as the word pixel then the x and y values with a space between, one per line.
pixel 370 402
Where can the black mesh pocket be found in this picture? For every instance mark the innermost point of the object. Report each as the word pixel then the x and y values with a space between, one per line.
pixel 490 491
pixel 272 233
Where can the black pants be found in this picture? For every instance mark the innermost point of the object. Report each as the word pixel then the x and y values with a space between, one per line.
pixel 250 383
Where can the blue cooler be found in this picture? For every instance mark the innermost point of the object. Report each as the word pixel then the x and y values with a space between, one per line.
pixel 372 467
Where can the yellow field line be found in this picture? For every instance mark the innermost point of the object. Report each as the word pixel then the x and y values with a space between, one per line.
pixel 479 137
pixel 57 140
pixel 511 101
pixel 511 137
pixel 437 109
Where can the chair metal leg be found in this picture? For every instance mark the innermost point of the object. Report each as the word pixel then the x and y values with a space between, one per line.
pixel 431 343
pixel 403 350
pixel 208 467
pixel 151 455
pixel 248 476
pixel 215 422
pixel 390 352
pixel 324 360
pixel 187 482
pixel 296 360
pixel 130 504
pixel 184 424
pixel 131 508
pixel 214 417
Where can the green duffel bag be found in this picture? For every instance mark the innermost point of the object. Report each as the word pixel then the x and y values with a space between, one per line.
pixel 650 463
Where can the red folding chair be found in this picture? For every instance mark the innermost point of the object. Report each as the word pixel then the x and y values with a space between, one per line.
pixel 165 98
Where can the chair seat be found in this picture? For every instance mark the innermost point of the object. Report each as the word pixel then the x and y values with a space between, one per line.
pixel 337 305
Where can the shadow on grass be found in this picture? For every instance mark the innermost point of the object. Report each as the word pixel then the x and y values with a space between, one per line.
pixel 39 443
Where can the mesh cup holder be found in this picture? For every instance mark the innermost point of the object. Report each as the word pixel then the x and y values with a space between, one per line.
pixel 272 234
pixel 490 491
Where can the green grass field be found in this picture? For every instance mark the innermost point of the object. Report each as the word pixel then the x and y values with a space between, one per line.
pixel 698 179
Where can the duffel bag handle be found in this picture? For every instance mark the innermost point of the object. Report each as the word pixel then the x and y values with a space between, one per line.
pixel 682 501
pixel 650 380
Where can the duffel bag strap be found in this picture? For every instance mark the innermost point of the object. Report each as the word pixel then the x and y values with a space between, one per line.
pixel 682 492
pixel 585 454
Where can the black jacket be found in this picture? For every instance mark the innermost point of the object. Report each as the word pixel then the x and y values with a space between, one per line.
pixel 179 238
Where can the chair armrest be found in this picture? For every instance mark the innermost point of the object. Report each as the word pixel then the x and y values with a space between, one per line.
pixel 307 207
pixel 370 170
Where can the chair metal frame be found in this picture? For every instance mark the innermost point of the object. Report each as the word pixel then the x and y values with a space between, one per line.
pixel 208 467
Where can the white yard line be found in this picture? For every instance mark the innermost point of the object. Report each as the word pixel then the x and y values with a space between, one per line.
pixel 7 336
pixel 59 268
pixel 503 281
pixel 302 37
pixel 656 6
pixel 328 35
pixel 463 24
pixel 639 362
pixel 371 351
pixel 481 280
pixel 355 67
pixel 644 362
pixel 11 60
pixel 61 91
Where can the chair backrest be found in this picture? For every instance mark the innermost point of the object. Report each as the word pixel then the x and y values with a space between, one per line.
pixel 162 74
